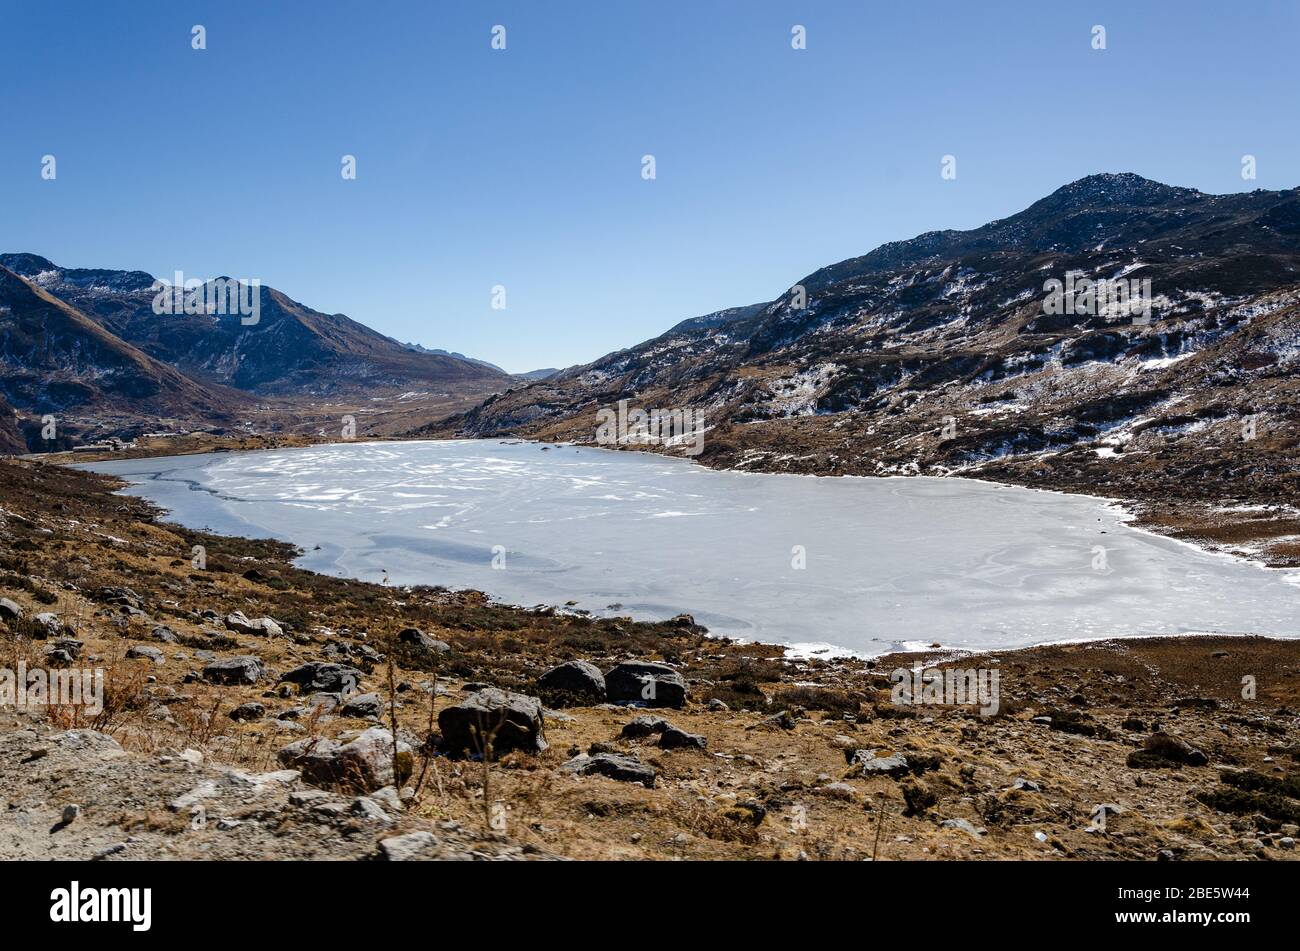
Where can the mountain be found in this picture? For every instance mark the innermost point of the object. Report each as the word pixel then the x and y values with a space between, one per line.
pixel 538 374
pixel 946 354
pixel 11 440
pixel 56 361
pixel 291 350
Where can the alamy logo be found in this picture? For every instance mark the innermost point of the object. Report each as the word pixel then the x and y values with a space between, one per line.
pixel 222 296
pixel 1112 298
pixel 657 427
pixel 950 687
pixel 25 689
pixel 103 904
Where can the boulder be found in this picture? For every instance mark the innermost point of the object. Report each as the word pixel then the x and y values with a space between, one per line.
pixel 677 739
pixel 70 646
pixel 146 652
pixel 256 627
pixel 645 682
pixel 364 765
pixel 246 669
pixel 1162 749
pixel 408 848
pixel 626 769
pixel 121 597
pixel 645 726
pixel 332 678
pixel 248 711
pixel 873 765
pixel 363 706
pixel 516 719
pixel 575 682
pixel 47 625
pixel 10 610
pixel 416 650
pixel 414 637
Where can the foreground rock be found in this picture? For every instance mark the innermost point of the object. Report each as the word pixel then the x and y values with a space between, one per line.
pixel 245 669
pixel 256 627
pixel 627 769
pixel 326 678
pixel 652 684
pixel 575 682
pixel 509 721
pixel 364 765
pixel 1161 749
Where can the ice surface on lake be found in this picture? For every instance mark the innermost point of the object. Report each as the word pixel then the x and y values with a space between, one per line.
pixel 889 562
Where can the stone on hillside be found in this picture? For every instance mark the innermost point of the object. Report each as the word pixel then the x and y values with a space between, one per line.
pixel 408 848
pixel 872 765
pixel 364 765
pixel 146 652
pixel 414 637
pixel 574 682
pixel 256 627
pixel 245 669
pixel 10 610
pixel 47 625
pixel 363 706
pixel 652 684
pixel 1162 749
pixel 331 678
pixel 677 739
pixel 248 711
pixel 516 719
pixel 645 725
pixel 627 769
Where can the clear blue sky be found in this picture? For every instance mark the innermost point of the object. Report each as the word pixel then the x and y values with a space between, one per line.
pixel 523 167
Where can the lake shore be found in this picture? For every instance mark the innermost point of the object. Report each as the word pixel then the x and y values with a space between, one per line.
pixel 1109 728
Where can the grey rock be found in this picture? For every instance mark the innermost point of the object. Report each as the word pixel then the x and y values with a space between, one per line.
pixel 677 739
pixel 10 610
pixel 363 706
pixel 517 720
pixel 245 669
pixel 652 684
pixel 408 848
pixel 248 711
pixel 256 627
pixel 577 681
pixel 363 765
pixel 872 765
pixel 627 769
pixel 333 678
pixel 645 725
pixel 70 646
pixel 965 825
pixel 146 652
pixel 416 638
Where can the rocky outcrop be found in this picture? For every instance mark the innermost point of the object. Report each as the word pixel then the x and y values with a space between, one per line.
pixel 500 719
pixel 647 683
pixel 573 683
pixel 363 765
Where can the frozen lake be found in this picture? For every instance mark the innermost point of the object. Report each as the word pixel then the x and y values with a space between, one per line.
pixel 886 562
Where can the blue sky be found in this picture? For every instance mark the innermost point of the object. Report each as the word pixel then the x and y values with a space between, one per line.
pixel 522 167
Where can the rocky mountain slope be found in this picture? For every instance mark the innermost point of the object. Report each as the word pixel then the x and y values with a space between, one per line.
pixel 290 350
pixel 56 361
pixel 941 355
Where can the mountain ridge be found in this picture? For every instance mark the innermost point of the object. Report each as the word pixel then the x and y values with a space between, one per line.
pixel 940 355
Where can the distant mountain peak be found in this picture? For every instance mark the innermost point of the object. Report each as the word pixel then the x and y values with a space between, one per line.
pixel 1119 187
